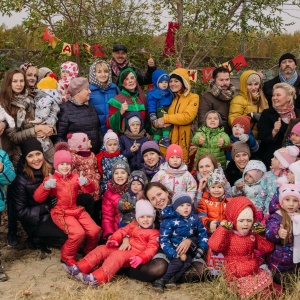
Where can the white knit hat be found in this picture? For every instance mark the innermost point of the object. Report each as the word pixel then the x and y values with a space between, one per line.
pixel 144 208
pixel 286 155
pixel 110 135
pixel 246 213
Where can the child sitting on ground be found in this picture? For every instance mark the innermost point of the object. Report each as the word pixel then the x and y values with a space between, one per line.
pixel 143 240
pixel 179 222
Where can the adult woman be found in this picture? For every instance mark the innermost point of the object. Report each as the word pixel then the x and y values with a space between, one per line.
pixel 31 75
pixel 250 100
pixel 240 156
pixel 182 111
pixel 131 98
pixel 274 121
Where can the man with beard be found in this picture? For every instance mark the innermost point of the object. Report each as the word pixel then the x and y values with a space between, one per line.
pixel 217 97
pixel 288 74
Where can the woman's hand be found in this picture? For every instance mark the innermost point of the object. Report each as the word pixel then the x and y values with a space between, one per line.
pixel 124 107
pixel 183 247
pixel 202 184
pixel 43 131
pixel 277 126
pixel 125 244
pixel 160 122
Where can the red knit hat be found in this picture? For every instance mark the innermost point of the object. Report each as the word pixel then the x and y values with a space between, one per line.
pixel 77 141
pixel 62 154
pixel 243 121
pixel 174 150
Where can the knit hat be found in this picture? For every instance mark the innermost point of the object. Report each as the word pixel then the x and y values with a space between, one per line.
pixel 31 144
pixel 286 155
pixel 244 121
pixel 213 112
pixel 286 190
pixel 139 176
pixel 296 129
pixel 124 74
pixel 47 83
pixel 110 135
pixel 118 47
pixel 178 78
pixel 216 176
pixel 144 208
pixel 62 154
pixel 180 198
pixel 150 146
pixel 134 119
pixel 42 72
pixel 121 164
pixel 246 213
pixel 287 56
pixel 238 147
pixel 77 141
pixel 253 78
pixel 295 168
pixel 174 150
pixel 77 85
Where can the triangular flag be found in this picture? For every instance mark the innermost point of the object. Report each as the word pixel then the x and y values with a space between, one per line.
pixel 76 49
pixel 193 75
pixel 207 73
pixel 48 36
pixel 97 50
pixel 66 49
pixel 87 47
pixel 54 42
pixel 228 65
pixel 239 61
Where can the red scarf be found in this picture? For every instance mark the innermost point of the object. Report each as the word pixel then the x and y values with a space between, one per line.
pixel 118 189
pixel 102 154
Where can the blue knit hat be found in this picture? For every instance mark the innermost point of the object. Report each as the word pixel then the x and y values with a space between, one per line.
pixel 180 198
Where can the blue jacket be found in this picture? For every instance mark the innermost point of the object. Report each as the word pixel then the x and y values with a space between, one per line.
pixel 176 228
pixel 99 99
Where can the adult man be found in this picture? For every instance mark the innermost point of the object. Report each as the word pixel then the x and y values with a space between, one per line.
pixel 119 62
pixel 217 97
pixel 288 74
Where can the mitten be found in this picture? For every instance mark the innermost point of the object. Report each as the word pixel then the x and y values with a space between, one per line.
pixel 50 183
pixel 226 225
pixel 258 228
pixel 112 243
pixel 82 180
pixel 135 261
pixel 254 116
pixel 244 137
pixel 51 202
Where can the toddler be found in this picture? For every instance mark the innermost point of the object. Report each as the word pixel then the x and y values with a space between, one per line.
pixel 174 175
pixel 126 206
pixel 69 217
pixel 179 222
pixel 143 240
pixel 159 99
pixel 4 116
pixel 211 137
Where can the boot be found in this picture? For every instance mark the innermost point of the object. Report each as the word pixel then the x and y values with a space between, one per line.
pixel 159 285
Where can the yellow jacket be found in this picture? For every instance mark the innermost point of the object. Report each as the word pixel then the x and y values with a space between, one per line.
pixel 182 112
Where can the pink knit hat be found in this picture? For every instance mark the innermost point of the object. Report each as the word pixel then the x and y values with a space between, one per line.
pixel 110 135
pixel 77 141
pixel 62 154
pixel 174 150
pixel 286 190
pixel 286 155
pixel 296 129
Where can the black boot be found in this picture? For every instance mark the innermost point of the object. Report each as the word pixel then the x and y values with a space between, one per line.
pixel 3 276
pixel 159 285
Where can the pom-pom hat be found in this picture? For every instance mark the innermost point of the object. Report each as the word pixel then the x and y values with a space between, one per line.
pixel 180 198
pixel 295 168
pixel 286 155
pixel 110 135
pixel 62 154
pixel 244 121
pixel 139 176
pixel 47 83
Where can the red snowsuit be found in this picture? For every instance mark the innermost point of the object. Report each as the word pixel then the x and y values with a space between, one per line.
pixel 144 243
pixel 69 217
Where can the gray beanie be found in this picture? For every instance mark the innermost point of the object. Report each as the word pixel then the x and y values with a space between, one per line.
pixel 121 164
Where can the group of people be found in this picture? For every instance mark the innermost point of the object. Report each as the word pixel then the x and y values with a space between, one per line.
pixel 97 163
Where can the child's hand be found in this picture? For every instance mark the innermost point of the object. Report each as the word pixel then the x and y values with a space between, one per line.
pixel 213 226
pixel 135 261
pixel 82 180
pixel 1 166
pixel 50 183
pixel 125 244
pixel 220 141
pixel 240 185
pixel 226 225
pixel 134 147
pixel 282 232
pixel 124 107
pixel 244 137
pixel 182 257
pixel 201 139
pixel 112 243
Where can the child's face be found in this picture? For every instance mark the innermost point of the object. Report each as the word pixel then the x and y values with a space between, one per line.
pixel 217 190
pixel 249 179
pixel 243 226
pixel 111 146
pixel 291 177
pixel 135 127
pixel 212 120
pixel 275 163
pixel 237 130
pixel 145 221
pixel 64 73
pixel 295 138
pixel 151 158
pixel 120 176
pixel 101 73
pixel 253 87
pixel 205 166
pixel 174 161
pixel 136 187
pixel 290 204
pixel 184 209
pixel 163 85
pixel 64 168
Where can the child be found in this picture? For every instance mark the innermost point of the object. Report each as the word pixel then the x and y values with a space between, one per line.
pixel 69 217
pixel 68 71
pixel 241 131
pixel 294 138
pixel 143 239
pixel 4 116
pixel 108 155
pixel 159 99
pixel 174 174
pixel 283 229
pixel 116 187
pixel 126 206
pixel 179 222
pixel 211 138
pixel 102 89
pixel 211 210
pixel 293 175
pixel 47 103
pixel 249 185
pixel 235 240
pixel 132 140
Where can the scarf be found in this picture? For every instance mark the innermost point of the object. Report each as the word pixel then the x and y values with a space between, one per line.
pixel 102 154
pixel 71 99
pixel 218 92
pixel 118 189
pixel 151 171
pixel 286 114
pixel 291 81
pixel 117 68
pixel 23 103
pixel 132 136
pixel 93 79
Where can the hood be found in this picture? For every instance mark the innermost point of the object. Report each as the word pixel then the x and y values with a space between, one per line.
pixel 185 78
pixel 120 83
pixel 255 165
pixel 235 206
pixel 52 93
pixel 92 75
pixel 182 169
pixel 243 82
pixel 133 114
pixel 72 69
pixel 156 76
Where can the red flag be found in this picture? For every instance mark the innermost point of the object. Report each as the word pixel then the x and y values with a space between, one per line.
pixel 76 49
pixel 97 50
pixel 239 61
pixel 170 39
pixel 48 36
pixel 207 73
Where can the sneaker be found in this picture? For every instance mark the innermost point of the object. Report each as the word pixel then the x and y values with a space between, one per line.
pixel 12 241
pixel 72 270
pixel 171 284
pixel 3 276
pixel 159 285
pixel 165 142
pixel 87 279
